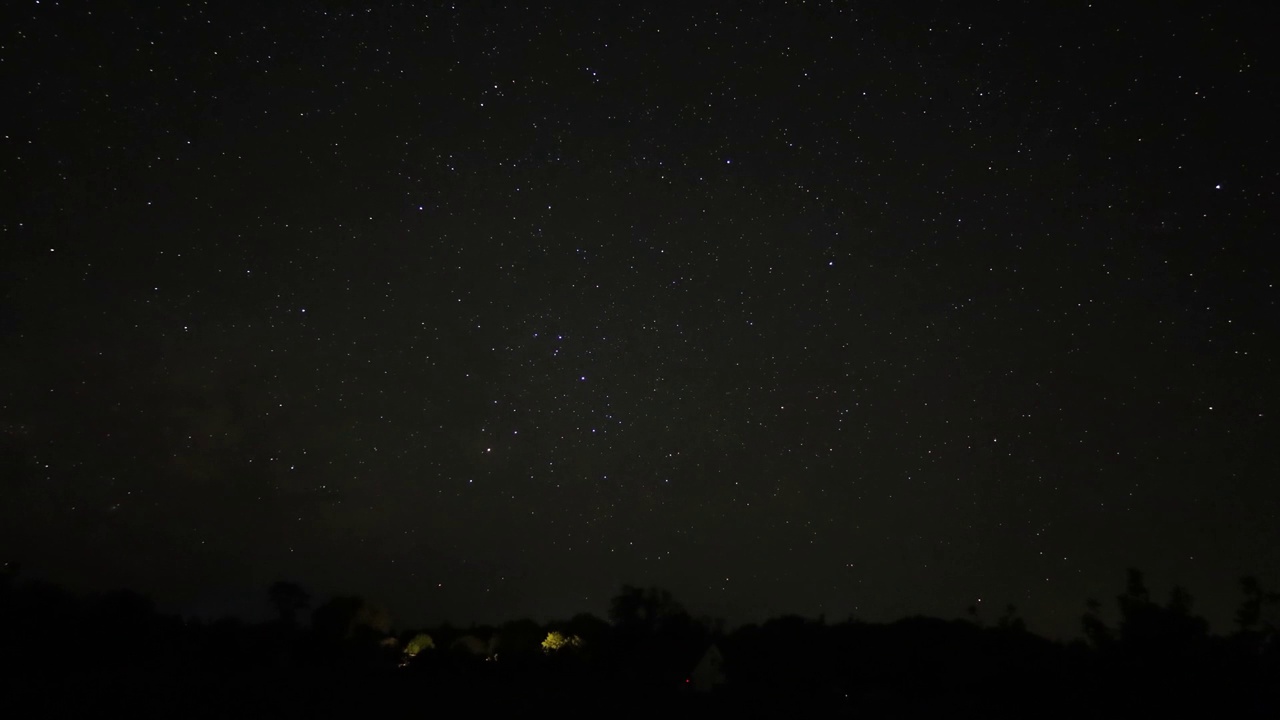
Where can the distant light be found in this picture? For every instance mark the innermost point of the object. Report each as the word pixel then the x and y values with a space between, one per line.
pixel 1217 187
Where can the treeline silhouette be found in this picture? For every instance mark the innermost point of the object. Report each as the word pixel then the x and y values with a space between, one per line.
pixel 64 654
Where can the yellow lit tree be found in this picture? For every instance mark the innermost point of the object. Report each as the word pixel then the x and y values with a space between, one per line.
pixel 420 642
pixel 557 641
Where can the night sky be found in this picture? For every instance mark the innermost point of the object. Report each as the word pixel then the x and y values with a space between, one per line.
pixel 482 310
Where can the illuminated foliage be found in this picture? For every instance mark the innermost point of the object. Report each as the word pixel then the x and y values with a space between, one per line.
pixel 420 642
pixel 556 641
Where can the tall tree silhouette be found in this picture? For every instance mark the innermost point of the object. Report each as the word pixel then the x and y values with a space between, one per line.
pixel 288 599
pixel 1149 627
pixel 1249 616
pixel 642 610
pixel 1096 631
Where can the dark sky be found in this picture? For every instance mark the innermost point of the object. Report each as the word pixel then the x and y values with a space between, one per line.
pixel 482 310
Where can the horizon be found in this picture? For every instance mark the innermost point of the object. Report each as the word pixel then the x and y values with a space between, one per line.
pixel 251 605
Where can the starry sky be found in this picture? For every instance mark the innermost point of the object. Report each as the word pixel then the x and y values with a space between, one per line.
pixel 481 310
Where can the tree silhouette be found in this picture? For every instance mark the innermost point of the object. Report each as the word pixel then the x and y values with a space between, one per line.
pixel 1096 631
pixel 1249 614
pixel 1158 658
pixel 1138 615
pixel 654 641
pixel 1010 620
pixel 594 631
pixel 288 599
pixel 519 639
pixel 347 617
pixel 1250 611
pixel 643 610
pixel 1159 633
